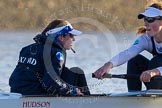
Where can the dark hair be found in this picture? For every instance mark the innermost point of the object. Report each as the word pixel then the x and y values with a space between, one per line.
pixel 142 30
pixel 54 24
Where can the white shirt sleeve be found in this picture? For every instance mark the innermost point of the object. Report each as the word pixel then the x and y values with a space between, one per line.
pixel 160 69
pixel 139 45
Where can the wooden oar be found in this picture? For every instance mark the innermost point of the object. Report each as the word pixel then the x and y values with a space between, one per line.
pixel 126 76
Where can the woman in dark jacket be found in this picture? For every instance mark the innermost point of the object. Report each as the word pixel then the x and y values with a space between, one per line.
pixel 41 67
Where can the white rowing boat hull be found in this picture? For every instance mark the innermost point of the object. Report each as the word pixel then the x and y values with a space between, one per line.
pixel 82 102
pixel 141 99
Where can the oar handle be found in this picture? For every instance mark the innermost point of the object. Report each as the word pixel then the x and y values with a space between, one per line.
pixel 157 78
pixel 104 76
pixel 121 76
pixel 126 76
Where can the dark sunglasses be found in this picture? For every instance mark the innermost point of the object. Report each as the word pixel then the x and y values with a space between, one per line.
pixel 152 19
pixel 70 35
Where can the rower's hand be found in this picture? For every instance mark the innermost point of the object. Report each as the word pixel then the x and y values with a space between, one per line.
pixel 79 93
pixel 74 92
pixel 147 75
pixel 102 70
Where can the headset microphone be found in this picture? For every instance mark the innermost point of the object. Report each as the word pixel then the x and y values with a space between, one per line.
pixel 73 50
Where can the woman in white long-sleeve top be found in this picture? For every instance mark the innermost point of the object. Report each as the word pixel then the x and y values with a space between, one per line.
pixel 151 41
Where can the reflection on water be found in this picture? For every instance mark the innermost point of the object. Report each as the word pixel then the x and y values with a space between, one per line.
pixel 92 51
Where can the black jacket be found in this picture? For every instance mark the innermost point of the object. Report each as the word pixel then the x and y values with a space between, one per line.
pixel 39 68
